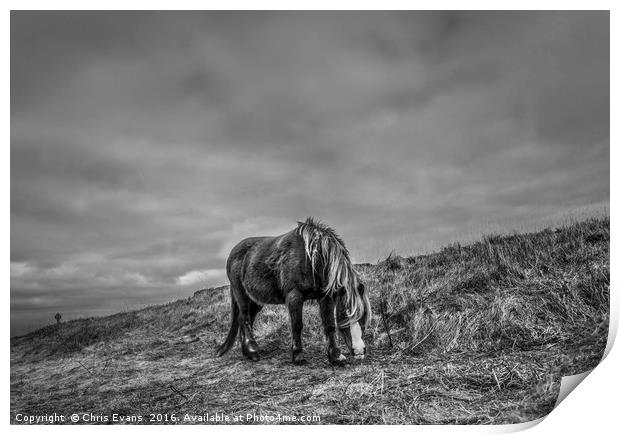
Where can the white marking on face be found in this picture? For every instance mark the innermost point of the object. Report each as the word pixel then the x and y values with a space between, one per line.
pixel 356 339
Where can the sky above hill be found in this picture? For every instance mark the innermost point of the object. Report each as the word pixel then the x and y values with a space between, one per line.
pixel 145 145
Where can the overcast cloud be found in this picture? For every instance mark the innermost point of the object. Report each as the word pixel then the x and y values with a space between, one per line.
pixel 145 145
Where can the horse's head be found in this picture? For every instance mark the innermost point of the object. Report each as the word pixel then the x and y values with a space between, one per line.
pixel 352 315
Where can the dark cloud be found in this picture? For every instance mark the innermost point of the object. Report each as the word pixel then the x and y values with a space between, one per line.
pixel 144 145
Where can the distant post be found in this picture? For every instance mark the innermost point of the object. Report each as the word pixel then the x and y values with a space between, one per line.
pixel 58 317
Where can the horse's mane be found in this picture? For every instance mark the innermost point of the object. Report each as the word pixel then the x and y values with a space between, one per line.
pixel 324 247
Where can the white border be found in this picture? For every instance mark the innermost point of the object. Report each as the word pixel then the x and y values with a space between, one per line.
pixel 318 4
pixel 593 408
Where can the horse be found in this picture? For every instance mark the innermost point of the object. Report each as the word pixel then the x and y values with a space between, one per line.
pixel 310 262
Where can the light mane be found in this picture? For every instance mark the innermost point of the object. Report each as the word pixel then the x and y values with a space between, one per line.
pixel 324 246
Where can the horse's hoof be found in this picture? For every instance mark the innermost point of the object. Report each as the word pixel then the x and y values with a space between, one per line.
pixel 253 356
pixel 298 358
pixel 340 360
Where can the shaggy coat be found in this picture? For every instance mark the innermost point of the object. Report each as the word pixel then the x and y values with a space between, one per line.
pixel 309 262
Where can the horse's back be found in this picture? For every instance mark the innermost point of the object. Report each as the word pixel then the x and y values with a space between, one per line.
pixel 240 250
pixel 268 267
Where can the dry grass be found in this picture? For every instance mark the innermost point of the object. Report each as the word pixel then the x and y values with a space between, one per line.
pixel 476 334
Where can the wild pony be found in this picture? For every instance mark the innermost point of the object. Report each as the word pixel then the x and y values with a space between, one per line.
pixel 309 262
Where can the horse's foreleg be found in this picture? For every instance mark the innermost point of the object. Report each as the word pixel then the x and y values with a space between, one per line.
pixel 328 317
pixel 295 303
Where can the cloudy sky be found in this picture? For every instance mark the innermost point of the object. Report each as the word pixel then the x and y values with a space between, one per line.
pixel 145 145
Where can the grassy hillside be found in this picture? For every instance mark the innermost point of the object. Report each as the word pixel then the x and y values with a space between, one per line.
pixel 471 334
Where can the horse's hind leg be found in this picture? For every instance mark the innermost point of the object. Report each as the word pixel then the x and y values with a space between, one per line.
pixel 254 310
pixel 295 303
pixel 249 347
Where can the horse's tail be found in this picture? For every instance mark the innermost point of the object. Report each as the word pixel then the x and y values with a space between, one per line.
pixel 234 327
